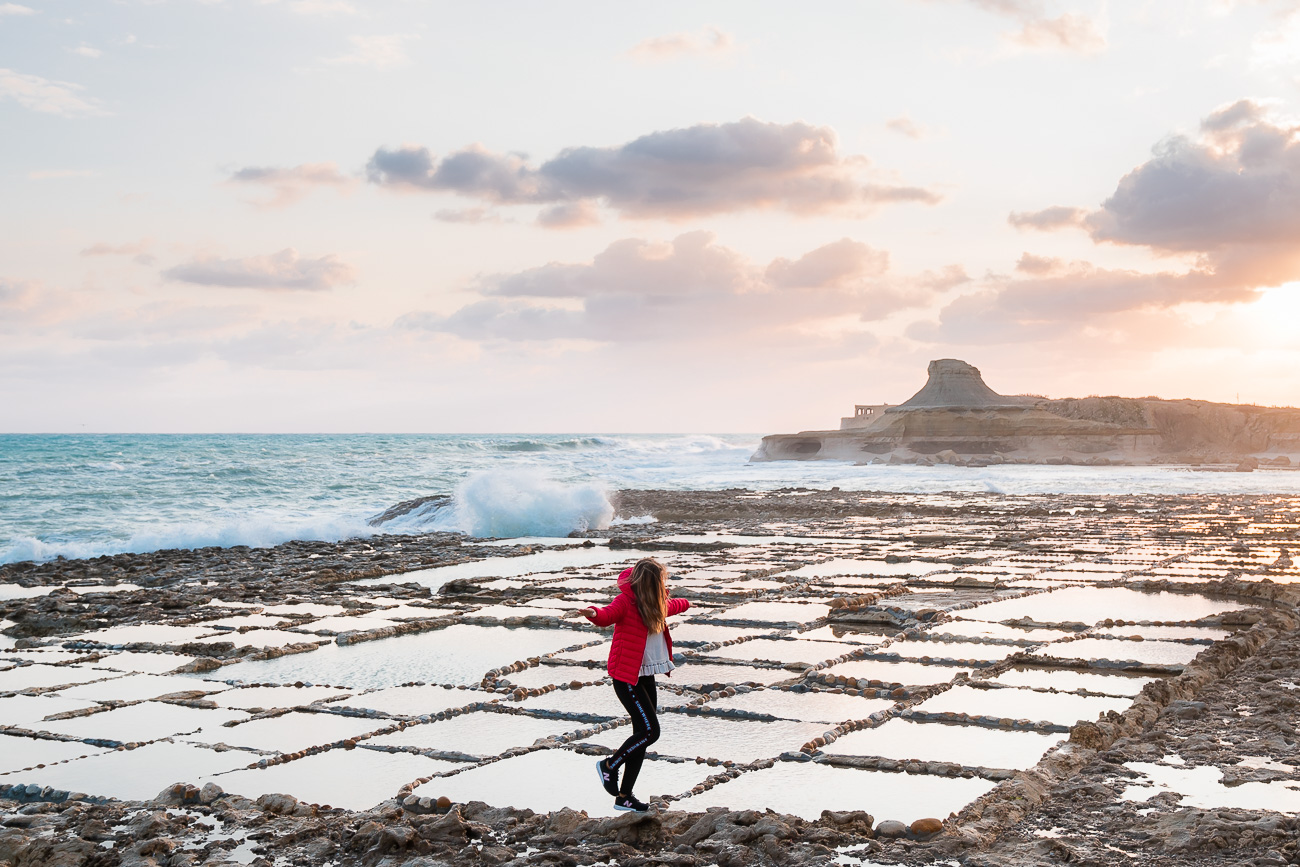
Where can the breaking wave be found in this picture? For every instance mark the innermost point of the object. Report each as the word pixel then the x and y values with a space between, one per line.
pixel 503 504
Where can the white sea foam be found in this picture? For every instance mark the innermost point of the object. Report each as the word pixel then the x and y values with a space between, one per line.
pixel 501 504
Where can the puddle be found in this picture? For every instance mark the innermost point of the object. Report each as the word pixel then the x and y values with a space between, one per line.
pixel 43 676
pixel 242 620
pixel 1165 632
pixel 1094 604
pixel 144 633
pixel 144 663
pixel 529 782
pixel 775 612
pixel 138 774
pixel 135 687
pixel 25 710
pixel 16 591
pixel 291 732
pixel 147 721
pixel 951 650
pixel 1065 680
pixel 908 673
pixel 271 697
pixel 503 612
pixel 262 638
pixel 479 734
pixel 708 633
pixel 816 707
pixel 414 700
pixel 335 625
pixel 598 653
pixel 309 609
pixel 1119 650
pixel 979 629
pixel 17 753
pixel 863 633
pixel 544 675
pixel 719 738
pixel 935 742
pixel 353 779
pixel 1262 764
pixel 511 567
pixel 84 589
pixel 598 699
pixel 785 652
pixel 552 541
pixel 697 674
pixel 806 788
pixel 457 654
pixel 1202 787
pixel 877 568
pixel 1059 708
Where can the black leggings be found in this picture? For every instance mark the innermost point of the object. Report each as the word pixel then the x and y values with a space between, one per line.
pixel 642 704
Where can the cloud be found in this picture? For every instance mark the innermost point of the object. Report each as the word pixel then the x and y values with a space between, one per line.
pixel 905 126
pixel 688 290
pixel 1039 265
pixel 87 51
pixel 1072 32
pixel 466 215
pixel 290 185
pixel 1048 219
pixel 1232 189
pixel 1069 32
pixel 709 41
pixel 15 9
pixel 282 270
pixel 380 52
pixel 680 173
pixel 569 215
pixel 138 251
pixel 45 95
pixel 1072 300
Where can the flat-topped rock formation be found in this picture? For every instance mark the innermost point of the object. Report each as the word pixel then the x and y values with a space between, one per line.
pixel 957 418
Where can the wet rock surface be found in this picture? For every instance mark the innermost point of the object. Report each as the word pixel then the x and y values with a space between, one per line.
pixel 267 683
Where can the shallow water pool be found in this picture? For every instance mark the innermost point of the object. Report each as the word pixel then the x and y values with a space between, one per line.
pixel 806 788
pixel 461 653
pixel 936 742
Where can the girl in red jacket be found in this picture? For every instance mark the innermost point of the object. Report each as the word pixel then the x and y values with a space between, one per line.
pixel 641 649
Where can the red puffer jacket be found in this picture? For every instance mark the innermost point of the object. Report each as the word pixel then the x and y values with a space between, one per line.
pixel 630 634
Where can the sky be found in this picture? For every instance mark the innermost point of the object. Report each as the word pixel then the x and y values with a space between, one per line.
pixel 411 216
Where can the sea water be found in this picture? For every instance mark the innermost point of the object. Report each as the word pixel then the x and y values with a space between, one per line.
pixel 79 495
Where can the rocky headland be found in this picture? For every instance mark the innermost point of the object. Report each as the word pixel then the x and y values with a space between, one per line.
pixel 957 419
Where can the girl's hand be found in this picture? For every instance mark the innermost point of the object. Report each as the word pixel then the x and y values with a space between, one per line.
pixel 587 612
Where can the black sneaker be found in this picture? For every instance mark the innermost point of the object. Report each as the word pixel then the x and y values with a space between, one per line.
pixel 630 804
pixel 608 778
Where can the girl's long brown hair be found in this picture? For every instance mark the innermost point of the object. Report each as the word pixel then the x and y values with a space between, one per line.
pixel 649 585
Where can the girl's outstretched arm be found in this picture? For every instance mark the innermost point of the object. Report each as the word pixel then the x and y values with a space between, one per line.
pixel 677 605
pixel 607 615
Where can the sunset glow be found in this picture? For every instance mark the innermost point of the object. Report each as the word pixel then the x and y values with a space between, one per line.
pixel 347 216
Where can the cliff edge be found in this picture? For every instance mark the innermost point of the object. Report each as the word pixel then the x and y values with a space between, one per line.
pixel 957 418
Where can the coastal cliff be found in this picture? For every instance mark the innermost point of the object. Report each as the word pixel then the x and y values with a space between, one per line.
pixel 957 418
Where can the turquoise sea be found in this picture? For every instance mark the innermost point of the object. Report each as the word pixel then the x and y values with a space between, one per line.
pixel 85 495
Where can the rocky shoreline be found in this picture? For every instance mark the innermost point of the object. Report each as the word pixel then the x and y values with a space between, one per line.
pixel 1233 707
